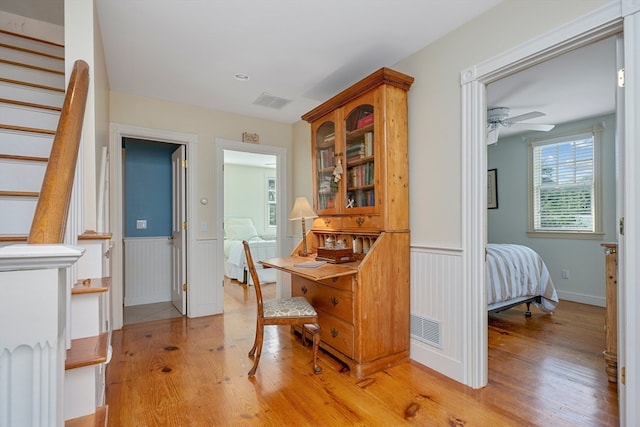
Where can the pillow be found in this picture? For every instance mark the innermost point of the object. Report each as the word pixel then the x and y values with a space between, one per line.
pixel 241 232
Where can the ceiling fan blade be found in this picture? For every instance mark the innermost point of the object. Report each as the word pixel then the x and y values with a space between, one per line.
pixel 532 126
pixel 527 116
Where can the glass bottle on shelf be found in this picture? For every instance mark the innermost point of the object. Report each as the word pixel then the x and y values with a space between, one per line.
pixel 359 158
pixel 326 184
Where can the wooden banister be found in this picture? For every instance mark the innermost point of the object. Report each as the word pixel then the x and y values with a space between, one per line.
pixel 50 218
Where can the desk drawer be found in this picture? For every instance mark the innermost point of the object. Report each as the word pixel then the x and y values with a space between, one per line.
pixel 334 301
pixel 361 222
pixel 343 282
pixel 327 223
pixel 337 333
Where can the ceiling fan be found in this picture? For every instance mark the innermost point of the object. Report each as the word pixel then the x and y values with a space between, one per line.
pixel 498 117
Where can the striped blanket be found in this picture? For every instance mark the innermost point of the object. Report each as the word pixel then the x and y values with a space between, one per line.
pixel 516 272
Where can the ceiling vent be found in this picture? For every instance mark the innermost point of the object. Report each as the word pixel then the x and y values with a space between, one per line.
pixel 271 101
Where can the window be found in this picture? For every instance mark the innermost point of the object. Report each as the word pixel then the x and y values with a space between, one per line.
pixel 271 202
pixel 565 182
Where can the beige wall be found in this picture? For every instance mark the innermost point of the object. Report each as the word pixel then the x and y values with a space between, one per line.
pixel 435 110
pixel 132 110
pixel 301 158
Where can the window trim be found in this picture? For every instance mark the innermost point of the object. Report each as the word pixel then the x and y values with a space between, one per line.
pixel 598 232
pixel 271 202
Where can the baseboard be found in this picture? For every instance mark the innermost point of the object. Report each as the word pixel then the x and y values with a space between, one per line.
pixel 582 299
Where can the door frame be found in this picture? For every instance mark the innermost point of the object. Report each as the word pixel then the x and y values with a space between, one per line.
pixel 116 133
pixel 604 22
pixel 281 198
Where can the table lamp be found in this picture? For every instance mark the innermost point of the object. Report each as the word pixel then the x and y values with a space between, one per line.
pixel 302 210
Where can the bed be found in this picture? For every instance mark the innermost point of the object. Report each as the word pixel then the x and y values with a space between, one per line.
pixel 517 275
pixel 235 231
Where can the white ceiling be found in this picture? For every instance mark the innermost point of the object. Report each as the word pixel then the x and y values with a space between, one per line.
pixel 576 85
pixel 249 159
pixel 187 51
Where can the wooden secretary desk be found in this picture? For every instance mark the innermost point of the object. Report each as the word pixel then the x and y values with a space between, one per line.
pixel 363 304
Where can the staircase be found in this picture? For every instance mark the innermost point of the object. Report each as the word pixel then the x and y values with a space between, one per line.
pixel 31 100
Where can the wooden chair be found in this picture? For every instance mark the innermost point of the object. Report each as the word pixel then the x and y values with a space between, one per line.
pixel 285 311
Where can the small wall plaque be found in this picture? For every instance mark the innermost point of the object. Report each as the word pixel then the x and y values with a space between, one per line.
pixel 250 137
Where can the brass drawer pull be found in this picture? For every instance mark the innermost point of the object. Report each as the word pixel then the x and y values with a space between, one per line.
pixel 334 301
pixel 327 221
pixel 334 332
pixel 359 221
pixel 304 289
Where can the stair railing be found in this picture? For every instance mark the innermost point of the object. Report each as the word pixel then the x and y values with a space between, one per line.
pixel 50 217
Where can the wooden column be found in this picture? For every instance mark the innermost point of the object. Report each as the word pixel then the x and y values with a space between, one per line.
pixel 611 317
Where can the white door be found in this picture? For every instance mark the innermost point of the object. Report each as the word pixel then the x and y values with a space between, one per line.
pixel 178 230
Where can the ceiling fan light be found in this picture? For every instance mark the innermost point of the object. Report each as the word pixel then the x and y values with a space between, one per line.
pixel 492 134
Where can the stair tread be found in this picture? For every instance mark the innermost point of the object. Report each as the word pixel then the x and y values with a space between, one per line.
pixel 28 129
pixel 30 104
pixel 87 351
pixel 92 235
pixel 92 285
pixel 97 419
pixel 37 39
pixel 6 193
pixel 24 158
pixel 31 67
pixel 13 238
pixel 30 84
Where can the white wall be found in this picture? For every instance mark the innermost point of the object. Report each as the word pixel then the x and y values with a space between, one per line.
pixel 508 224
pixel 245 195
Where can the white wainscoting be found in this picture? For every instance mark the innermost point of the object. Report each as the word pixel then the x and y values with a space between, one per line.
pixel 436 283
pixel 147 270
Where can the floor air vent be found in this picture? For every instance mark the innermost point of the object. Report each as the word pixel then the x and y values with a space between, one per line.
pixel 426 330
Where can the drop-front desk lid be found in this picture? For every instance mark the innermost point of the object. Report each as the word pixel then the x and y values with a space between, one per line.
pixel 325 271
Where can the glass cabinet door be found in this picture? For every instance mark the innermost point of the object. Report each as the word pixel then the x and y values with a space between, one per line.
pixel 327 188
pixel 360 159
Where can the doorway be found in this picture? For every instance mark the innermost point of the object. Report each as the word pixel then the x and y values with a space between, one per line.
pixel 117 207
pixel 264 169
pixel 576 93
pixel 153 216
pixel 600 24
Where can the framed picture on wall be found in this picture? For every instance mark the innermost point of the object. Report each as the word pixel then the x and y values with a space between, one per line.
pixel 492 189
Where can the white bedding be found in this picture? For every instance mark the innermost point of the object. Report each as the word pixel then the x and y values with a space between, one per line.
pixel 515 273
pixel 234 259
pixel 235 231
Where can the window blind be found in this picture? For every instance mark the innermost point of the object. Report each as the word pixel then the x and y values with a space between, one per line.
pixel 564 184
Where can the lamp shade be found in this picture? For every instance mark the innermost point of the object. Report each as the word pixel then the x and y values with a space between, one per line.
pixel 302 209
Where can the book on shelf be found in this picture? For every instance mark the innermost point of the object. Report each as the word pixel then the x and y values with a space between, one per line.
pixel 329 137
pixel 361 175
pixel 355 151
pixel 358 119
pixel 368 143
pixel 364 121
pixel 326 158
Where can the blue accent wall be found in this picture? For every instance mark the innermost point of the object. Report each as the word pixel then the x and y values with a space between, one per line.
pixel 147 187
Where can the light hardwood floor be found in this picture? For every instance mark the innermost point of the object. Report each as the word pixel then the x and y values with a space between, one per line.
pixel 543 371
